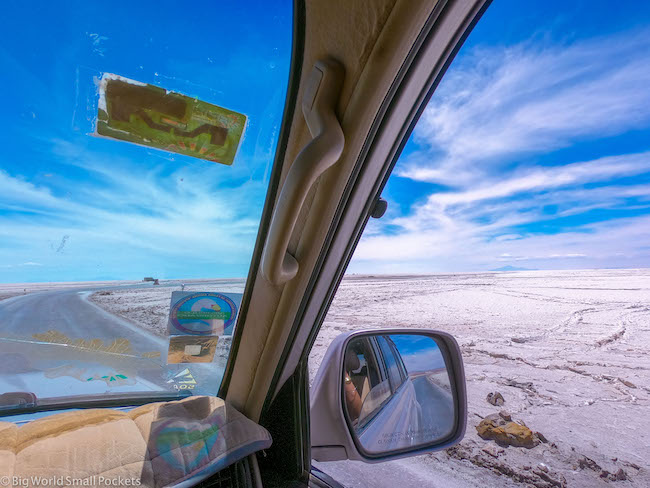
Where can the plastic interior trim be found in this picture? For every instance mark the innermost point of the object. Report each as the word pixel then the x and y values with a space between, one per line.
pixel 320 97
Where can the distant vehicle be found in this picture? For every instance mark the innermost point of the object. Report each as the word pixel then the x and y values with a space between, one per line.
pixel 148 278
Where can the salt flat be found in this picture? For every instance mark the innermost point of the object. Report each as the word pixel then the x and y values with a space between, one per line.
pixel 568 350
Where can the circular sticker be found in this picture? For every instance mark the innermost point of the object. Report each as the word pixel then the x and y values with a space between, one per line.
pixel 205 313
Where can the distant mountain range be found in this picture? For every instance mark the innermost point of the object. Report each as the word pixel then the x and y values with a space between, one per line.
pixel 512 268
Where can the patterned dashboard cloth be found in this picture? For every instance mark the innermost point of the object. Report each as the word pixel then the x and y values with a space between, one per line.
pixel 161 444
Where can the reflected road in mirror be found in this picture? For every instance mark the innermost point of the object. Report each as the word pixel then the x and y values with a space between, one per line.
pixel 398 392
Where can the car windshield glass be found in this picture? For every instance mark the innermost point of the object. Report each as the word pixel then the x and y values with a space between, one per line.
pixel 138 141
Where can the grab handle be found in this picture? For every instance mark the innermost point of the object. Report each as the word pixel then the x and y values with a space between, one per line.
pixel 320 97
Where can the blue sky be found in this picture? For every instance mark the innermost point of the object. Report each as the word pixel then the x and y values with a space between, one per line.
pixel 419 353
pixel 78 207
pixel 534 152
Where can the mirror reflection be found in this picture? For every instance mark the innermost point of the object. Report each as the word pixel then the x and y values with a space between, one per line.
pixel 397 391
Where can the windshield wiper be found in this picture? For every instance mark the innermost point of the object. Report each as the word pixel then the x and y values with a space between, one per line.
pixel 14 403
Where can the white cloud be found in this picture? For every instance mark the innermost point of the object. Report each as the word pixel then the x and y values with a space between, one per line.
pixel 519 198
pixel 504 101
pixel 622 242
pixel 495 110
pixel 552 177
pixel 121 217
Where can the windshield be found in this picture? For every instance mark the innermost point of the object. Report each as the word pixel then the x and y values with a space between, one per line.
pixel 138 140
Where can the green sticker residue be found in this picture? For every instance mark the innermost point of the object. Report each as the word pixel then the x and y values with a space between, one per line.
pixel 152 116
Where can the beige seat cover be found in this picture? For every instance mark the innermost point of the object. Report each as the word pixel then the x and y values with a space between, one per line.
pixel 160 444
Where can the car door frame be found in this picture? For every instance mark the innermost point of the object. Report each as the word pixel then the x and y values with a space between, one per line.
pixel 376 163
pixel 444 31
pixel 372 170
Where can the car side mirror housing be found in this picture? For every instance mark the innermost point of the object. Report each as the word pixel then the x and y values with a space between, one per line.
pixel 387 394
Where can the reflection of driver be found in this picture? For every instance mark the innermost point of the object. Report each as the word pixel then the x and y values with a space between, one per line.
pixel 352 397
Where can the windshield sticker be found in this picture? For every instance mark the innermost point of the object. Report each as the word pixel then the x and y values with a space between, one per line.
pixel 151 116
pixel 203 313
pixel 113 379
pixel 191 349
pixel 183 380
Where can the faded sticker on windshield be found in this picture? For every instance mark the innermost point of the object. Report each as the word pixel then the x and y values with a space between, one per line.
pixel 151 116
pixel 191 349
pixel 203 313
pixel 111 378
pixel 182 381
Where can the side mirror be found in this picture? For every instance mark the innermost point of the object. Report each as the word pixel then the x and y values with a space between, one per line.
pixel 388 394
